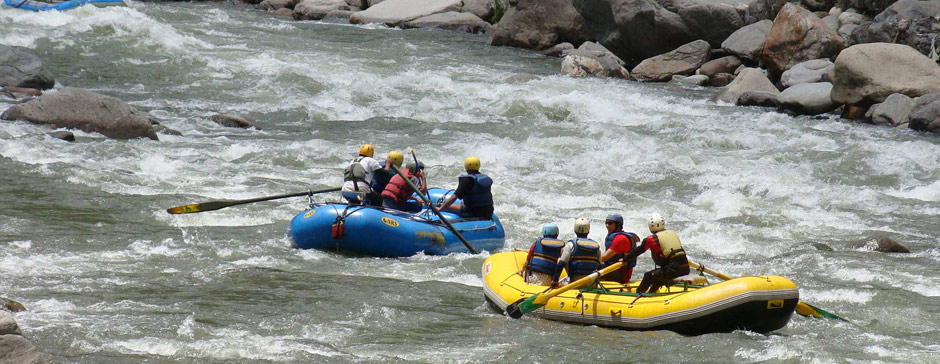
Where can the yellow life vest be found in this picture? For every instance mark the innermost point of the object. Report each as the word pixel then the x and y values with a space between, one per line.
pixel 669 243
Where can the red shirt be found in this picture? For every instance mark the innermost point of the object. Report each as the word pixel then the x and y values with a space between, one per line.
pixel 621 244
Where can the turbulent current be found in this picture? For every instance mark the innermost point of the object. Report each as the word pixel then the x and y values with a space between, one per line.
pixel 109 277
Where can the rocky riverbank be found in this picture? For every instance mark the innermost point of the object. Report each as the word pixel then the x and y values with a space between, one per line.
pixel 14 347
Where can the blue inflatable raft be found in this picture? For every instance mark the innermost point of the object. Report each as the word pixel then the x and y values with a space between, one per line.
pixel 36 5
pixel 384 232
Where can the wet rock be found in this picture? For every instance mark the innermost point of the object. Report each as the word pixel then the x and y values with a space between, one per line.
pixel 748 42
pixel 925 116
pixel 63 135
pixel 11 305
pixel 635 29
pixel 273 5
pixel 860 75
pixel 8 324
pixel 317 9
pixel 750 79
pixel 337 16
pixel 814 70
pixel 539 24
pixel 681 61
pixel 696 80
pixel 397 12
pixel 454 21
pixel 84 110
pixel 797 36
pixel 894 111
pixel 21 91
pixel 721 79
pixel 867 6
pixel 19 68
pixel 808 99
pixel 285 13
pixel 17 349
pixel 483 9
pixel 912 22
pixel 822 247
pixel 881 244
pixel 583 63
pixel 727 64
pixel 558 50
pixel 758 98
pixel 521 78
pixel 232 121
pixel 160 129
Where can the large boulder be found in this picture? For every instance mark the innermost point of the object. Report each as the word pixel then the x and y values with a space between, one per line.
pixel 912 22
pixel 865 74
pixel 710 20
pixel 539 24
pixel 317 9
pixel 396 12
pixel 483 9
pixel 881 244
pixel 758 98
pixel 726 64
pixel 757 10
pixel 274 5
pixel 895 111
pixel 681 61
pixel 749 79
pixel 8 324
pixel 796 36
pixel 22 69
pixel 15 349
pixel 635 29
pixel 84 110
pixel 925 115
pixel 585 62
pixel 866 6
pixel 461 22
pixel 807 98
pixel 748 42
pixel 814 70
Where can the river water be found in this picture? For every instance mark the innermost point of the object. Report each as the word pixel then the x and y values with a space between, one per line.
pixel 109 277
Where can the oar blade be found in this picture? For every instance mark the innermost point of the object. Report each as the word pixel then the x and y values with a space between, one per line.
pixel 198 207
pixel 818 312
pixel 523 306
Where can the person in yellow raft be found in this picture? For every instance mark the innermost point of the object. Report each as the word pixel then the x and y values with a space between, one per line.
pixel 580 256
pixel 474 189
pixel 667 253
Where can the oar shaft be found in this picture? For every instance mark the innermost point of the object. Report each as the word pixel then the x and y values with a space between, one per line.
pixel 216 205
pixel 431 207
pixel 709 271
pixel 542 298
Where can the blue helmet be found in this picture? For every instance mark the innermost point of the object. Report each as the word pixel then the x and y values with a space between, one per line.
pixel 549 229
pixel 615 218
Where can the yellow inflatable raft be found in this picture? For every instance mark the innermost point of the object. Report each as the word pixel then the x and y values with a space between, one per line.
pixel 689 307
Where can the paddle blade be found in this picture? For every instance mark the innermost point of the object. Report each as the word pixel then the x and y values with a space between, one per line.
pixel 198 207
pixel 806 309
pixel 523 306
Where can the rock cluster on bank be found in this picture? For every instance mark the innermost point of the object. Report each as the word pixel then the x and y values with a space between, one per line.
pixel 14 347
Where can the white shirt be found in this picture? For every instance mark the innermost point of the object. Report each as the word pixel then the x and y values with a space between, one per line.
pixel 370 165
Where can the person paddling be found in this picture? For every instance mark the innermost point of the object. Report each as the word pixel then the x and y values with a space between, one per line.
pixel 381 177
pixel 667 254
pixel 397 193
pixel 543 256
pixel 618 243
pixel 357 176
pixel 580 256
pixel 474 189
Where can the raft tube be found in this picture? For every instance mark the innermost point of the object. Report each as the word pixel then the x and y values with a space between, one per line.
pixel 384 232
pixel 35 5
pixel 760 304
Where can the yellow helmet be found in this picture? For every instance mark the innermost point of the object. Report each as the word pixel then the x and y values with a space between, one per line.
pixel 582 226
pixel 367 150
pixel 471 163
pixel 396 157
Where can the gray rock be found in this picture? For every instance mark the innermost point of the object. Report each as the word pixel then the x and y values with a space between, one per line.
pixel 881 244
pixel 868 6
pixel 758 98
pixel 595 48
pixel 584 63
pixel 710 20
pixel 337 16
pixel 808 98
pixel 63 135
pixel 822 247
pixel 232 121
pixel 317 9
pixel 15 349
pixel 84 110
pixel 19 68
pixel 758 10
pixel 748 42
pixel 483 9
pixel 925 115
pixel 727 64
pixel 8 324
pixel 539 24
pixel 895 111
pixel 461 22
pixel 814 70
pixel 635 29
pixel 849 17
pixel 860 75
pixel 911 22
pixel 521 78
pixel 696 80
pixel 558 49
pixel 160 129
pixel 797 36
pixel 681 61
pixel 845 31
pixel 750 79
pixel 397 12
pixel 818 5
pixel 832 22
pixel 286 13
pixel 273 5
pixel 721 79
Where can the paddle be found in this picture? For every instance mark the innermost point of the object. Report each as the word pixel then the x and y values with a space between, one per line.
pixel 436 211
pixel 215 205
pixel 802 308
pixel 526 305
pixel 413 156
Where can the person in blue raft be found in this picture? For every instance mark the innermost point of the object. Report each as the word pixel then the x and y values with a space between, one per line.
pixel 543 256
pixel 397 193
pixel 381 177
pixel 474 189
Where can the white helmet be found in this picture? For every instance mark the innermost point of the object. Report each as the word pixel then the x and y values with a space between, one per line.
pixel 657 223
pixel 582 226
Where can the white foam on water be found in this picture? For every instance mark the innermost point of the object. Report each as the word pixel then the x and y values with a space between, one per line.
pixel 21 244
pixel 779 351
pixel 185 328
pixel 837 295
pixel 926 193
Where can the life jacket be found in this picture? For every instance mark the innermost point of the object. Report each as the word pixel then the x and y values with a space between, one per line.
pixel 616 258
pixel 397 189
pixel 545 255
pixel 380 178
pixel 584 258
pixel 355 172
pixel 480 194
pixel 669 247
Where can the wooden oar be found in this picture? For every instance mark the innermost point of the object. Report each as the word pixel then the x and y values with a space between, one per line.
pixel 436 211
pixel 526 305
pixel 802 308
pixel 215 205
